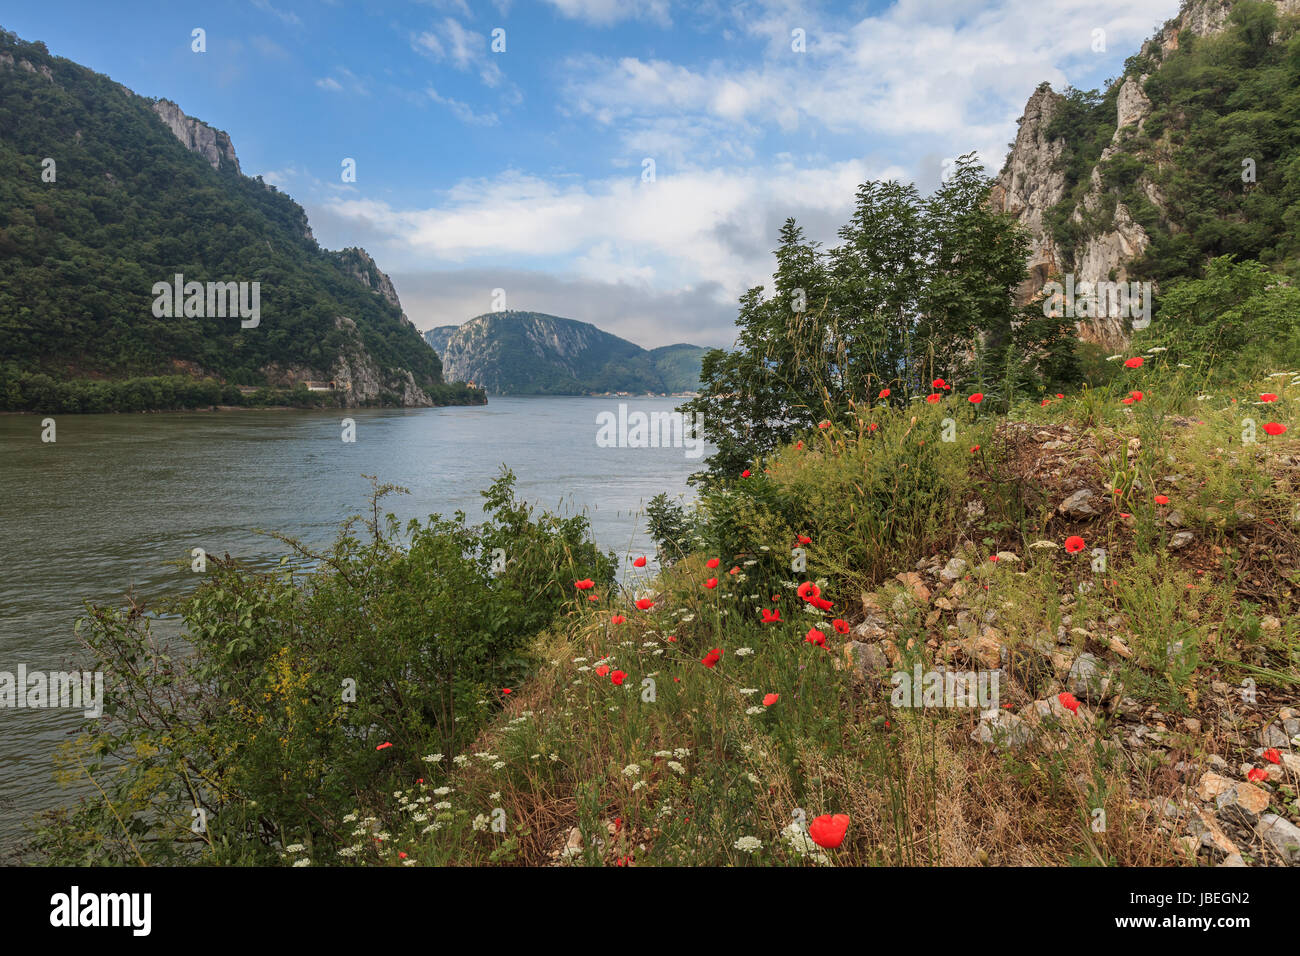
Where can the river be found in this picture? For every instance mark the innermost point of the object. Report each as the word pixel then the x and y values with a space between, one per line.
pixel 116 501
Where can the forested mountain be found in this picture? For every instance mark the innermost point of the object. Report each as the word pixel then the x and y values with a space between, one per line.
pixel 104 194
pixel 1192 153
pixel 531 353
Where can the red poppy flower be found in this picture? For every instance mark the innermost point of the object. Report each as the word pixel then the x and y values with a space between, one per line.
pixel 745 473
pixel 933 398
pixel 872 427
pixel 1273 428
pixel 1268 397
pixel 815 636
pixel 808 591
pixel 993 557
pixel 828 831
pixel 617 619
pixel 1162 500
pixel 770 616
pixel 799 444
pixel 584 585
pixel 1137 396
pixel 1126 401
pixel 1256 775
pixel 976 398
pixel 506 690
pixel 974 449
pixel 639 562
pixel 1045 402
pixel 1059 395
pixel 385 745
pixel 804 539
pixel 1069 702
pixel 712 562
pixel 618 677
pixel 593 597
pixel 401 855
pixel 711 583
pixel 821 604
pixel 841 626
pixel 771 699
pixel 1135 362
pixel 938 383
pixel 671 639
pixel 712 658
pixel 645 604
pixel 824 424
pixel 602 670
pixel 1074 544
pixel 735 570
pixel 884 393
pixel 1271 755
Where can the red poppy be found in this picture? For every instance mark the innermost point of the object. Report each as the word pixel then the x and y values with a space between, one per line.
pixel 1256 775
pixel 808 591
pixel 712 658
pixel 804 539
pixel 771 699
pixel 1045 402
pixel 584 585
pixel 938 383
pixel 1268 397
pixel 401 855
pixel 841 626
pixel 933 398
pixel 1059 395
pixel 872 427
pixel 711 583
pixel 1162 500
pixel 993 557
pixel 1126 401
pixel 617 619
pixel 385 745
pixel 884 393
pixel 770 616
pixel 745 473
pixel 974 449
pixel 506 690
pixel 639 562
pixel 976 398
pixel 671 639
pixel 1074 544
pixel 593 597
pixel 1135 362
pixel 815 636
pixel 1069 702
pixel 602 670
pixel 735 570
pixel 824 424
pixel 1137 396
pixel 645 604
pixel 828 831
pixel 1273 428
pixel 712 562
pixel 618 677
pixel 1271 755
pixel 821 604
pixel 799 444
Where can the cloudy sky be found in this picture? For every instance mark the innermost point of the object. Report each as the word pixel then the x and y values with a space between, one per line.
pixel 623 162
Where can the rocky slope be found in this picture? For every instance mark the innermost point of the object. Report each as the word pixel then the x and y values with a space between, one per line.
pixel 1108 238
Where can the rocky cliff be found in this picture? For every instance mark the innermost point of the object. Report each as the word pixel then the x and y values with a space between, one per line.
pixel 1107 238
pixel 198 137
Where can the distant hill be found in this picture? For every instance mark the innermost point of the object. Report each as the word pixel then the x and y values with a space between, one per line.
pixel 531 353
pixel 105 193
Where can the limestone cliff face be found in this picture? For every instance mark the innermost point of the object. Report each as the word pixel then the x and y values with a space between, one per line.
pixel 1032 180
pixel 198 137
pixel 363 268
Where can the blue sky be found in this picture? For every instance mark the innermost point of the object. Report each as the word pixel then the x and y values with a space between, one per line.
pixel 523 169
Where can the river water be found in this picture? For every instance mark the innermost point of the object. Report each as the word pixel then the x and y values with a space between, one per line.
pixel 116 501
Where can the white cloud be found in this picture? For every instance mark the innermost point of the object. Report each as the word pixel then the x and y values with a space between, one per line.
pixel 607 12
pixel 463 49
pixel 462 111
